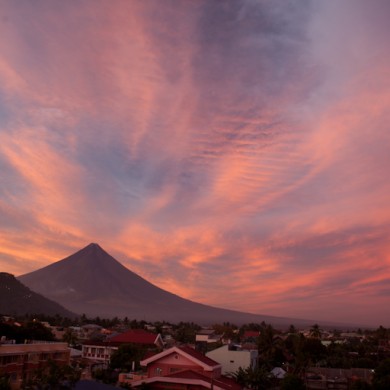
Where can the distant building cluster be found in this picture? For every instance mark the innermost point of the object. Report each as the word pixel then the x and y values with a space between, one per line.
pixel 182 357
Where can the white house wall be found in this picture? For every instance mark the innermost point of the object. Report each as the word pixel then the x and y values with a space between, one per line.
pixel 231 361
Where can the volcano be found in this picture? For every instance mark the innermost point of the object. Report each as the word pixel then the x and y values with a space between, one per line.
pixel 93 283
pixel 18 300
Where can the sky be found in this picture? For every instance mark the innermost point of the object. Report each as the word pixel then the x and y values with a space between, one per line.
pixel 236 153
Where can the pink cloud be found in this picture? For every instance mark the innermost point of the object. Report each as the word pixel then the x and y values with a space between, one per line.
pixel 203 148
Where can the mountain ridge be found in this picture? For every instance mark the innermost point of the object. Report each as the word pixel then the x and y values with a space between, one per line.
pixel 17 299
pixel 92 282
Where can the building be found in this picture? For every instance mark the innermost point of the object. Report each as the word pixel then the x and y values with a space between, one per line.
pixel 20 361
pixel 184 368
pixel 335 378
pixel 207 336
pixel 101 351
pixel 206 339
pixel 232 357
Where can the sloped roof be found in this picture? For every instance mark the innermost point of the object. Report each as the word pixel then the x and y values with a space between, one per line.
pixel 188 352
pixel 278 372
pixel 251 334
pixel 222 382
pixel 190 377
pixel 136 336
pixel 199 356
pixel 206 331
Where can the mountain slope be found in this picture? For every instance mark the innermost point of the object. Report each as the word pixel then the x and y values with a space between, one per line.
pixel 93 282
pixel 17 299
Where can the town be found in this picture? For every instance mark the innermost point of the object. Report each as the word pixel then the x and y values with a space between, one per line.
pixel 41 352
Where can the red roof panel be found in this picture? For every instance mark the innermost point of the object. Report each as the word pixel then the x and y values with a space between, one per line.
pixel 197 355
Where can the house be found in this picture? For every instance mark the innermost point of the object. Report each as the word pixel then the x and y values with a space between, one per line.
pixel 206 338
pixel 101 351
pixel 20 361
pixel 138 336
pixel 249 339
pixel 336 378
pixel 232 357
pixel 278 372
pixel 184 368
pixel 250 336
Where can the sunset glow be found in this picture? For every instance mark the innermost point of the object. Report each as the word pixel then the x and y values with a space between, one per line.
pixel 236 153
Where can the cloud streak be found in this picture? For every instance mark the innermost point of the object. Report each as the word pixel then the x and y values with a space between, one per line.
pixel 209 146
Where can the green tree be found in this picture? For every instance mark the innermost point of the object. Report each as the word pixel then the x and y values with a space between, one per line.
pixel 382 333
pixel 54 377
pixel 314 350
pixel 186 332
pixel 381 380
pixel 269 345
pixel 125 355
pixel 315 331
pixel 70 337
pixel 292 382
pixel 227 330
pixel 258 378
pixel 292 329
pixel 34 330
pixel 360 385
pixel 107 376
pixel 5 382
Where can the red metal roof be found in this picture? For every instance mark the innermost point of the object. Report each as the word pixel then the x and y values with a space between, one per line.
pixel 222 381
pixel 251 334
pixel 199 356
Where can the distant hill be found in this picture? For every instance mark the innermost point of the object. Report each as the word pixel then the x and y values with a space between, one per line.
pixel 94 283
pixel 17 299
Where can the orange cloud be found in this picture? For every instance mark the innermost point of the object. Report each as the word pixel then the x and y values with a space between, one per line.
pixel 202 148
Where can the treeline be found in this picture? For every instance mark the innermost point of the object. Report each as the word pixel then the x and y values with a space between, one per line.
pixel 25 331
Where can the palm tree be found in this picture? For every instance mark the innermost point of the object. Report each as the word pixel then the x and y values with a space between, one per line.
pixel 268 344
pixel 292 329
pixel 253 378
pixel 315 331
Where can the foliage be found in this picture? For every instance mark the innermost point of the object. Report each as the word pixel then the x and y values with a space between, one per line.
pixel 292 382
pixel 257 378
pixel 360 385
pixel 70 337
pixel 125 355
pixel 54 377
pixel 292 329
pixel 227 329
pixel 107 376
pixel 32 330
pixel 5 382
pixel 315 331
pixel 186 332
pixel 270 346
pixel 381 380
